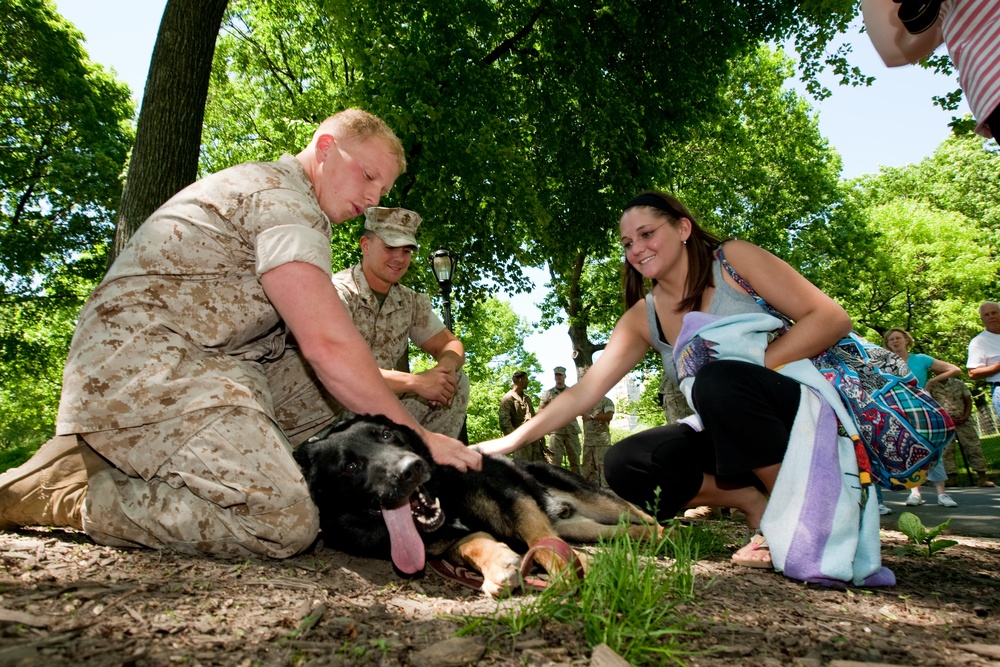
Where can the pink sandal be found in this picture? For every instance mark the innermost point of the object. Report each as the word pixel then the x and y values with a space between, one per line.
pixel 756 543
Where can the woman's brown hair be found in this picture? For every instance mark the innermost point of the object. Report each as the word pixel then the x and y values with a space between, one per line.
pixel 700 245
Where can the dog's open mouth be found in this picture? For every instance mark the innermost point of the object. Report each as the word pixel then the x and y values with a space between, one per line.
pixel 422 512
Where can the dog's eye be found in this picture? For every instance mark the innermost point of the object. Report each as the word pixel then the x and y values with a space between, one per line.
pixel 386 434
pixel 351 468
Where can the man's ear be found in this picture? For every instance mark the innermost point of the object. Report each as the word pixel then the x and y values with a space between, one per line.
pixel 324 144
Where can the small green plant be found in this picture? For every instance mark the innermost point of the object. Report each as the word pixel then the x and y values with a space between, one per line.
pixel 911 526
pixel 629 600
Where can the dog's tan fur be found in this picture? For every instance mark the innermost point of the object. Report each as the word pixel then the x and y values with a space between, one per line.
pixel 500 565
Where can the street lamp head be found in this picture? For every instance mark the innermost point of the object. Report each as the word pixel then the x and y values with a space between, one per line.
pixel 443 263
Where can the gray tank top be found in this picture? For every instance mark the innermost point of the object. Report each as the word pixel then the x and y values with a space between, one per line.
pixel 725 301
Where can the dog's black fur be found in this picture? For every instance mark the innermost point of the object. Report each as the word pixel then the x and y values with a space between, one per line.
pixel 370 463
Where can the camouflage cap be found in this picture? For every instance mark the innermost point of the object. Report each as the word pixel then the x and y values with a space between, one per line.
pixel 561 370
pixel 397 227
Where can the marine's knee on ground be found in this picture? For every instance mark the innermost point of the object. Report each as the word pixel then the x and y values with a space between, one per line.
pixel 126 511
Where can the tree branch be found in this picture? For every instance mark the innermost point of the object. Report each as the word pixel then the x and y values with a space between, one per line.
pixel 507 45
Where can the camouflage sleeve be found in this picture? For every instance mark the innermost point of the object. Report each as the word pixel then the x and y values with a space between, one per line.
pixel 506 408
pixel 544 400
pixel 286 226
pixel 426 324
pixel 292 243
pixel 343 281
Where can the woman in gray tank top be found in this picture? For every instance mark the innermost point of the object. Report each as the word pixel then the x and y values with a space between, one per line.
pixel 746 409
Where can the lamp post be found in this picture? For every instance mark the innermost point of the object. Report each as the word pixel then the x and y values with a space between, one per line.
pixel 443 264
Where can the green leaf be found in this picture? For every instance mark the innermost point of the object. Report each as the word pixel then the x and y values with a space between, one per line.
pixel 938 545
pixel 937 530
pixel 911 526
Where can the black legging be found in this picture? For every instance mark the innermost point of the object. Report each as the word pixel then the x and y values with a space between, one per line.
pixel 747 412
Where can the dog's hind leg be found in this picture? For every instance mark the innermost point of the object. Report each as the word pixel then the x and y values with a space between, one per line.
pixel 591 516
pixel 533 525
pixel 498 563
pixel 580 528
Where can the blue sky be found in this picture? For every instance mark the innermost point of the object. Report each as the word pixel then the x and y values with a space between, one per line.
pixel 891 123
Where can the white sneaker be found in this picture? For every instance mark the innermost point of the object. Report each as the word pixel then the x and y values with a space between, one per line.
pixel 945 500
pixel 915 499
pixel 883 510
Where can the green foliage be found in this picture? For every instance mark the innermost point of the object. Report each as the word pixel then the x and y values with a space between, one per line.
pixel 35 334
pixel 762 172
pixel 911 526
pixel 758 169
pixel 932 258
pixel 629 600
pixel 277 73
pixel 526 126
pixel 495 347
pixel 64 135
pixel 493 336
pixel 648 408
pixel 482 421
pixel 961 176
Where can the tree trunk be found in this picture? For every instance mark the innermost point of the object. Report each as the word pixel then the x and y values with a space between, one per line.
pixel 168 134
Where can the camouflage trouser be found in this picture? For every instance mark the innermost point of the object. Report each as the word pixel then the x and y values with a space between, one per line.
pixel 595 446
pixel 565 445
pixel 446 419
pixel 215 481
pixel 533 451
pixel 968 436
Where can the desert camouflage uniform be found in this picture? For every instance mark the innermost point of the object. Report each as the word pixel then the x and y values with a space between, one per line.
pixel 516 409
pixel 596 442
pixel 404 315
pixel 179 374
pixel 675 406
pixel 950 394
pixel 563 442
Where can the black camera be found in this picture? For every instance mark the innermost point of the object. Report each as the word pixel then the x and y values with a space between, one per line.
pixel 918 15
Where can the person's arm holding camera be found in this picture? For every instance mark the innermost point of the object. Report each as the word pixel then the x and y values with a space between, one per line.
pixel 895 44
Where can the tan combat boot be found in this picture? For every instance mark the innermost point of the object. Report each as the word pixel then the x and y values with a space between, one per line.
pixel 48 490
pixel 984 481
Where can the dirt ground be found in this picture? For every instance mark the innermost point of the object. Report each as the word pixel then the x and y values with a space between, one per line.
pixel 64 600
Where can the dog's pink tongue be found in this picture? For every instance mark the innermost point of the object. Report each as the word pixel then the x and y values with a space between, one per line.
pixel 407 547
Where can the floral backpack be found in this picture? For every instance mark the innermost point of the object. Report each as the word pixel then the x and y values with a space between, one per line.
pixel 899 430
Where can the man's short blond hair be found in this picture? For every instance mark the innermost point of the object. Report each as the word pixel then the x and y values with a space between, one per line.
pixel 358 124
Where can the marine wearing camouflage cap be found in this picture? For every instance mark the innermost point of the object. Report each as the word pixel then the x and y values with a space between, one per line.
pixel 397 227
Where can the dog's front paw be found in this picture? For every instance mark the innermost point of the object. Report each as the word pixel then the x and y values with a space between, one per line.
pixel 501 572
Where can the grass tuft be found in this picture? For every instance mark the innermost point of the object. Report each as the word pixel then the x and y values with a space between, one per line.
pixel 629 599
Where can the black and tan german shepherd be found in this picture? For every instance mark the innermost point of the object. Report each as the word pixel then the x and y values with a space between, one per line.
pixel 380 494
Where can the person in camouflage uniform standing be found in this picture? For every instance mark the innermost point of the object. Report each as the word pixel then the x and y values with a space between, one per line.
pixel 515 409
pixel 597 439
pixel 390 315
pixel 183 394
pixel 955 397
pixel 564 442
